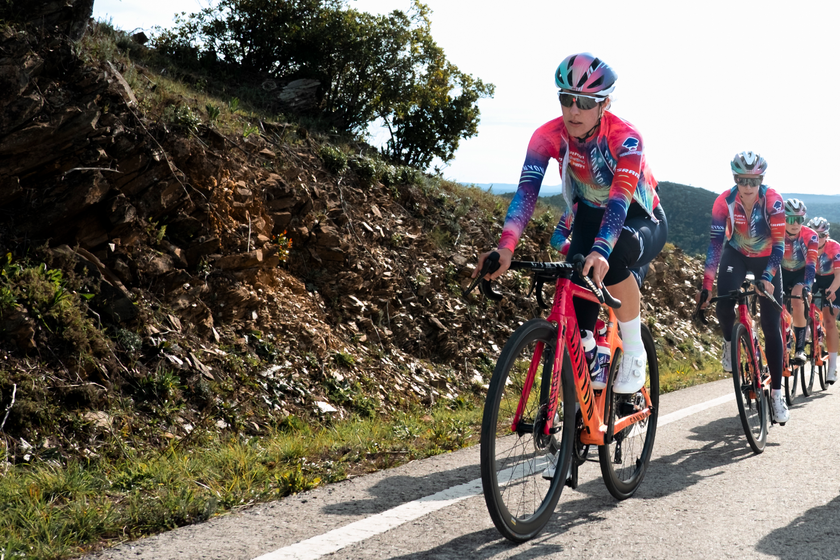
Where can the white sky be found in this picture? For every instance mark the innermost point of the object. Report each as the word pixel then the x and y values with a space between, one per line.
pixel 701 81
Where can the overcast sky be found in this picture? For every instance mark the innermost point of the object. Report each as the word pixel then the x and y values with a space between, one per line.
pixel 700 81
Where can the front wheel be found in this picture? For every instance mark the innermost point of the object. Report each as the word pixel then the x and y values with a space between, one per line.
pixel 625 459
pixel 749 394
pixel 814 352
pixel 791 382
pixel 807 371
pixel 523 471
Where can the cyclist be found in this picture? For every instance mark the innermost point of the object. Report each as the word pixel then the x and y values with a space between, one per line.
pixel 613 212
pixel 798 268
pixel 751 217
pixel 828 279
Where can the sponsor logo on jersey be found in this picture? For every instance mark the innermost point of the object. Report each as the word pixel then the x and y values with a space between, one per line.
pixel 632 144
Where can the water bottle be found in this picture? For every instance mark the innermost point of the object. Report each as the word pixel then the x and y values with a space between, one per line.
pixel 589 349
pixel 602 357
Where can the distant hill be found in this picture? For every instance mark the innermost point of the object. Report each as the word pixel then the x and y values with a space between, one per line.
pixel 823 205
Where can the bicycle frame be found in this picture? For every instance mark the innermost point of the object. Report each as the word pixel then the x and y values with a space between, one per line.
pixel 815 316
pixel 592 405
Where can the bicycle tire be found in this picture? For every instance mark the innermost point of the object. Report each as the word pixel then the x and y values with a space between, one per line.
pixel 520 501
pixel 816 350
pixel 625 459
pixel 808 375
pixel 753 407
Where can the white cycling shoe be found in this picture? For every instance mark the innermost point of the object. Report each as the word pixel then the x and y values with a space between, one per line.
pixel 631 374
pixel 778 406
pixel 831 377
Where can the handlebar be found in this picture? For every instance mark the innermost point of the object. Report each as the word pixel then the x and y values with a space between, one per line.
pixel 541 272
pixel 735 295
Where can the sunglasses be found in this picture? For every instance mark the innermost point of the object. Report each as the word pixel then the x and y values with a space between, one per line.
pixel 584 102
pixel 795 219
pixel 822 235
pixel 746 181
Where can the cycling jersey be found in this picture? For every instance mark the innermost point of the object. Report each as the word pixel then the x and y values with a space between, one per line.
pixel 801 252
pixel 762 235
pixel 607 171
pixel 829 260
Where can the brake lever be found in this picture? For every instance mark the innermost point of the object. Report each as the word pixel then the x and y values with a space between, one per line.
pixel 491 265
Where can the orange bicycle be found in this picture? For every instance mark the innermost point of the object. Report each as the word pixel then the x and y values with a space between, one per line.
pixel 791 372
pixel 541 414
pixel 815 343
pixel 749 364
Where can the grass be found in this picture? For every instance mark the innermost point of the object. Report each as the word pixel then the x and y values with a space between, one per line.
pixel 51 510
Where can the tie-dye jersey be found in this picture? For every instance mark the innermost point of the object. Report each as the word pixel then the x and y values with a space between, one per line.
pixel 607 171
pixel 763 234
pixel 829 260
pixel 801 251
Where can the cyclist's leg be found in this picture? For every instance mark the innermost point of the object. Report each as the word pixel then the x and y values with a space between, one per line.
pixel 584 230
pixel 652 237
pixel 832 338
pixel 794 281
pixel 771 327
pixel 731 273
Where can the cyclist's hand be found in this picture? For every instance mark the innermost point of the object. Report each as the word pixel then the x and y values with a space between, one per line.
pixel 806 295
pixel 599 266
pixel 830 295
pixel 703 301
pixel 505 256
pixel 768 287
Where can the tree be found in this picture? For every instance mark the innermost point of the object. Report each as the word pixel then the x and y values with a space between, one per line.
pixel 370 67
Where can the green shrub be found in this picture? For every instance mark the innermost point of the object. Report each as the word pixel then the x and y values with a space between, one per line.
pixel 334 159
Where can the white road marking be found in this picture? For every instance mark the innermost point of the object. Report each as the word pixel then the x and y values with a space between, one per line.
pixel 335 540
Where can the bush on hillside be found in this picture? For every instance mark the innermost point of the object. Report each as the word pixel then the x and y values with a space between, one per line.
pixel 370 68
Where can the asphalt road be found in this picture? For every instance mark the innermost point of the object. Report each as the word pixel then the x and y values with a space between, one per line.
pixel 706 495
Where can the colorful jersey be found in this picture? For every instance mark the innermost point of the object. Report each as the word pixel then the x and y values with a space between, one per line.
pixel 607 171
pixel 829 260
pixel 801 251
pixel 760 235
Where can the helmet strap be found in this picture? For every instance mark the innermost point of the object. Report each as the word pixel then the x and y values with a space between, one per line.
pixel 592 130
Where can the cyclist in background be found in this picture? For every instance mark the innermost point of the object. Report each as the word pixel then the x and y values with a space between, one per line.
pixel 828 279
pixel 748 235
pixel 798 268
pixel 613 212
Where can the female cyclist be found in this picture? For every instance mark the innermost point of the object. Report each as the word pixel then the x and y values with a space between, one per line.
pixel 753 216
pixel 799 264
pixel 828 278
pixel 613 212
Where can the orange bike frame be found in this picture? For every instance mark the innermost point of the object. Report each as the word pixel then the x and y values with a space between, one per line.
pixel 592 403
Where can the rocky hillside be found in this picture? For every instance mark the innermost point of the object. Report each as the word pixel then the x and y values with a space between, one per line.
pixel 149 287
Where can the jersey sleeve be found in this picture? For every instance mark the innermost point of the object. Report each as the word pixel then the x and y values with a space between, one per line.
pixel 628 149
pixel 717 234
pixel 560 237
pixel 812 248
pixel 541 149
pixel 776 218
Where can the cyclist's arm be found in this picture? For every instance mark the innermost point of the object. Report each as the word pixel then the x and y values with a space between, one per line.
pixel 831 292
pixel 560 237
pixel 717 233
pixel 776 218
pixel 625 180
pixel 813 248
pixel 540 151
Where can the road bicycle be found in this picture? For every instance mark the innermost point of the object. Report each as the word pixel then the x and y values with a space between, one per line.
pixel 815 343
pixel 541 414
pixel 750 374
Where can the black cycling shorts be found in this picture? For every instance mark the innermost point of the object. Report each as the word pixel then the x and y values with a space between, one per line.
pixel 790 278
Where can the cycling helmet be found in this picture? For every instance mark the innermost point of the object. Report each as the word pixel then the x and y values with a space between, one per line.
pixel 749 163
pixel 819 225
pixel 584 73
pixel 795 207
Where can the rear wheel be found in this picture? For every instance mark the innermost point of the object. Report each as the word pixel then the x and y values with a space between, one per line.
pixel 519 492
pixel 753 407
pixel 625 459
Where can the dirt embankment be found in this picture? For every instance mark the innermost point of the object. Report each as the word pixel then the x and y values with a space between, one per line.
pixel 173 235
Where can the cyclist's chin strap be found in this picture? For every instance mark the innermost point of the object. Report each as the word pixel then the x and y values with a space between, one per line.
pixel 592 130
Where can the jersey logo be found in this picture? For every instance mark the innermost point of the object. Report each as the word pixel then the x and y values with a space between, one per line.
pixel 632 144
pixel 777 205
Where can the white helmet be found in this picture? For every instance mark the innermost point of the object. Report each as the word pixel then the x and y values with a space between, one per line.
pixel 748 163
pixel 819 225
pixel 795 207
